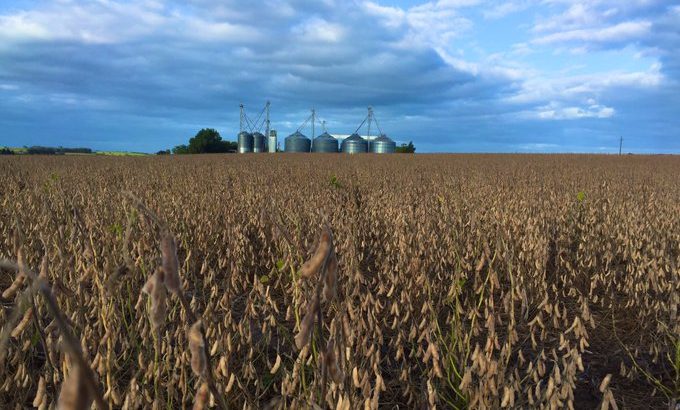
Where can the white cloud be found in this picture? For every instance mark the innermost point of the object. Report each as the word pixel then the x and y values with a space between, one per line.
pixel 558 111
pixel 537 147
pixel 316 29
pixel 573 113
pixel 196 28
pixel 102 22
pixel 577 15
pixel 505 8
pixel 569 87
pixel 492 67
pixel 621 32
pixel 112 22
pixel 432 24
pixel 20 26
pixel 391 17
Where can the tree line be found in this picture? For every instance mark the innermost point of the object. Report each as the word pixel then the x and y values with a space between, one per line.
pixel 40 150
pixel 406 148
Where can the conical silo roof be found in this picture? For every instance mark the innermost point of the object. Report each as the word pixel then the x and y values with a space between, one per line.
pixel 325 143
pixel 354 144
pixel 383 145
pixel 297 142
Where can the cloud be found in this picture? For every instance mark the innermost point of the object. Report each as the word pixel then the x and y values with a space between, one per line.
pixel 391 17
pixel 554 111
pixel 317 29
pixel 430 24
pixel 505 8
pixel 147 74
pixel 540 88
pixel 622 32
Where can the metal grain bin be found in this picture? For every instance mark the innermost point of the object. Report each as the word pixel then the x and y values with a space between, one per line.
pixel 271 144
pixel 245 142
pixel 354 144
pixel 383 145
pixel 258 142
pixel 297 142
pixel 325 143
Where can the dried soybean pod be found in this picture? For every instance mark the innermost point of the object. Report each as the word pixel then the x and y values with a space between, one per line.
pixel 202 397
pixel 332 362
pixel 312 266
pixel 196 346
pixel 156 290
pixel 170 262
pixel 40 399
pixel 25 321
pixel 276 366
pixel 74 394
pixel 19 280
pixel 305 333
pixel 330 287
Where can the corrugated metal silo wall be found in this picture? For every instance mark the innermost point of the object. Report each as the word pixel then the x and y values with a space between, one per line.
pixel 383 147
pixel 258 142
pixel 325 145
pixel 354 147
pixel 297 144
pixel 245 142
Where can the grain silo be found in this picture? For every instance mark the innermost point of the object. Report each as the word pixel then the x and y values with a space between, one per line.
pixel 258 142
pixel 297 142
pixel 383 145
pixel 245 142
pixel 325 143
pixel 253 141
pixel 380 145
pixel 354 144
pixel 272 141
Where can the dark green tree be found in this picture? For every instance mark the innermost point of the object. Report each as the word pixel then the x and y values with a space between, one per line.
pixel 180 149
pixel 40 150
pixel 406 148
pixel 206 140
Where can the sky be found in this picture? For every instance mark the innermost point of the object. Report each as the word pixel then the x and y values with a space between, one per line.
pixel 449 75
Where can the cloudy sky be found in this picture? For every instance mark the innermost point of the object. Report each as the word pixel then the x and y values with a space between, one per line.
pixel 451 75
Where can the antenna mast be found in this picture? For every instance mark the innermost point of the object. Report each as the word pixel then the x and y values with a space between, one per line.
pixel 368 135
pixel 313 123
pixel 240 124
pixel 620 144
pixel 267 120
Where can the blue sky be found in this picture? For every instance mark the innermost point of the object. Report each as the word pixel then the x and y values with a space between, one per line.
pixel 450 75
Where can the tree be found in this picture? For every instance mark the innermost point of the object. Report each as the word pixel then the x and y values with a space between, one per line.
pixel 180 149
pixel 163 152
pixel 206 140
pixel 6 151
pixel 40 150
pixel 80 150
pixel 406 148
